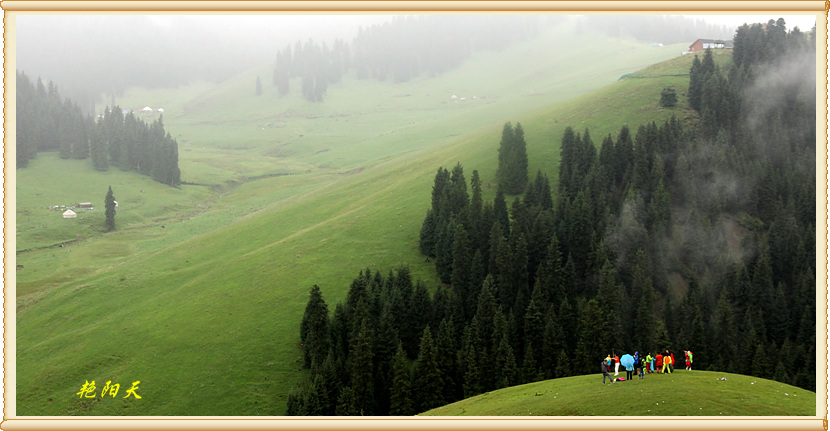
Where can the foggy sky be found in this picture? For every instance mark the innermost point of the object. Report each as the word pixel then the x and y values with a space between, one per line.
pixel 803 22
pixel 87 55
pixel 111 52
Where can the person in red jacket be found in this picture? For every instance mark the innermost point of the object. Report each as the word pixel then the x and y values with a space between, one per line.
pixel 658 363
pixel 616 364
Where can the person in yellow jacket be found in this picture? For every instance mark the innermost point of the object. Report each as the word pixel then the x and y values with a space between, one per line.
pixel 667 362
pixel 649 363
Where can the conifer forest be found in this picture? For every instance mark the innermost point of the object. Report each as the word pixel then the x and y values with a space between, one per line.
pixel 682 235
pixel 45 122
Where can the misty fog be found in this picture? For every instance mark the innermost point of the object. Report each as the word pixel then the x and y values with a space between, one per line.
pixel 89 56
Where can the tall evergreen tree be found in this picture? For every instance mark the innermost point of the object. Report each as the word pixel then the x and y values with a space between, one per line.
pixel 500 212
pixel 461 265
pixel 444 249
pixel 472 374
pixel 428 384
pixel 98 149
pixel 695 84
pixel 724 341
pixel 512 168
pixel 109 210
pixel 476 207
pixel 314 329
pixel 361 365
pixel 400 393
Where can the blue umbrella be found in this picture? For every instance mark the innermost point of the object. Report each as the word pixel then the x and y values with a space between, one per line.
pixel 627 361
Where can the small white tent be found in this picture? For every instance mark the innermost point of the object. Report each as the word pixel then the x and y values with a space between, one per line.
pixel 69 214
pixel 147 109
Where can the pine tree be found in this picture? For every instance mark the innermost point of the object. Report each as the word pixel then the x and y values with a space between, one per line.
pixel 668 97
pixel 505 155
pixel 750 342
pixel 500 212
pixel 725 338
pixel 518 177
pixel 476 207
pixel 472 374
pixel 444 250
pixel 519 294
pixel 314 329
pixel 567 155
pixel 428 384
pixel 506 371
pixel 563 365
pixel 295 403
pixel 592 338
pixel 530 370
pixel 361 365
pixel 331 380
pixel 461 262
pixel 315 397
pixel 478 271
pixel 512 168
pixel 761 366
pixel 610 302
pixel 419 314
pixel 428 233
pixel 643 290
pixel 400 393
pixel 347 404
pixel 459 200
pixel 534 321
pixel 98 149
pixel 447 355
pixel 550 274
pixel 109 210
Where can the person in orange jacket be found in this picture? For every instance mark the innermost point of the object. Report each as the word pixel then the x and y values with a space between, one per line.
pixel 616 364
pixel 667 363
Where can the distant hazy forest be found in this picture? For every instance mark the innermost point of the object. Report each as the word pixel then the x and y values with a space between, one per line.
pixel 673 237
pixel 46 122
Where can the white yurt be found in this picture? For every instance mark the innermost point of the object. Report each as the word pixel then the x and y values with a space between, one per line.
pixel 69 214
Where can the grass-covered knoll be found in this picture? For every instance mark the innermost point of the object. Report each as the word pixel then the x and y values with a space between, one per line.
pixel 682 393
pixel 205 311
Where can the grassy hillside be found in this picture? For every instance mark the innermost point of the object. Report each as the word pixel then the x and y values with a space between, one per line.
pixel 682 393
pixel 199 292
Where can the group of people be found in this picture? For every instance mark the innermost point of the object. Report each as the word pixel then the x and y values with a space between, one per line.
pixel 662 363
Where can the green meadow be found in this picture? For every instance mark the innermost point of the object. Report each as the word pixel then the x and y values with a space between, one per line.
pixel 681 393
pixel 199 292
